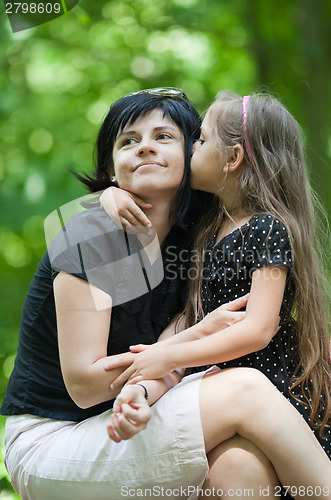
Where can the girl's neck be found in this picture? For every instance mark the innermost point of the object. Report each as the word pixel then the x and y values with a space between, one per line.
pixel 230 197
pixel 230 223
pixel 235 214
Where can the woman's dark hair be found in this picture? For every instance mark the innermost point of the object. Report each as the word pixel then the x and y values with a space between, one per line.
pixel 125 111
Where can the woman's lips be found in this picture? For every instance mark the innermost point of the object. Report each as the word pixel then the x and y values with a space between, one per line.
pixel 149 164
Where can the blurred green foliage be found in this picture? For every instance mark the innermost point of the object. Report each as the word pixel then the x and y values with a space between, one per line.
pixel 58 79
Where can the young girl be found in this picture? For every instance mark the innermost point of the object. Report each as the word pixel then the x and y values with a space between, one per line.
pixel 259 236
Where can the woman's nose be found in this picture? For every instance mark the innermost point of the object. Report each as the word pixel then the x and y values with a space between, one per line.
pixel 145 146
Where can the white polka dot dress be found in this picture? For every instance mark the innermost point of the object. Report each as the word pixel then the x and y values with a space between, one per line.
pixel 228 270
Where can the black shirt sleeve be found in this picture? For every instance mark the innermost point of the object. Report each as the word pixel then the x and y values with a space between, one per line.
pixel 91 247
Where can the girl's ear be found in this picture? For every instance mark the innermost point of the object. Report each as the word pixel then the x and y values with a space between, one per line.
pixel 235 159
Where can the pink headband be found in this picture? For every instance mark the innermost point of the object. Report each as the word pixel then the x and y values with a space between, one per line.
pixel 249 152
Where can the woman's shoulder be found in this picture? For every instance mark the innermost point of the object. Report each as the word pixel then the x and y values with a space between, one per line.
pixel 94 220
pixel 83 226
pixel 87 238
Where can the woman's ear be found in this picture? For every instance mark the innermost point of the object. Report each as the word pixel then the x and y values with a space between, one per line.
pixel 111 174
pixel 235 159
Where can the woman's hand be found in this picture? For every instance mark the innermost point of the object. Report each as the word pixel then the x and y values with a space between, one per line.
pixel 151 363
pixel 131 413
pixel 124 208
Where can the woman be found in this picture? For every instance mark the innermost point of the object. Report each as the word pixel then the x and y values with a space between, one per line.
pixel 59 394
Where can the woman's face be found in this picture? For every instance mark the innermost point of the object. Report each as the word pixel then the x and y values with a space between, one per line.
pixel 207 162
pixel 148 156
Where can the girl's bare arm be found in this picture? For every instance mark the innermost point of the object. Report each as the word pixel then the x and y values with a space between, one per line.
pixel 251 334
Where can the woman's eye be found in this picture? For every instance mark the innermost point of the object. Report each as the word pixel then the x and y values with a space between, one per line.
pixel 128 141
pixel 201 141
pixel 164 136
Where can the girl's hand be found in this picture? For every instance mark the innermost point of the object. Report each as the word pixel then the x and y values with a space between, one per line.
pixel 131 413
pixel 119 360
pixel 225 315
pixel 124 208
pixel 139 347
pixel 152 363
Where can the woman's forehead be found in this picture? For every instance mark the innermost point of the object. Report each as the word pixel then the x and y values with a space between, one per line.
pixel 153 117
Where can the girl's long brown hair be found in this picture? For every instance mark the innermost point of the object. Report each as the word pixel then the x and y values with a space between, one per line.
pixel 274 180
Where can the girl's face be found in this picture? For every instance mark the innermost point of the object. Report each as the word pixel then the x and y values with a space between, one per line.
pixel 207 162
pixel 148 156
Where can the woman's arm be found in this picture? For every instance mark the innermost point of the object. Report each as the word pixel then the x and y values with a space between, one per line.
pixel 131 412
pixel 83 320
pixel 251 334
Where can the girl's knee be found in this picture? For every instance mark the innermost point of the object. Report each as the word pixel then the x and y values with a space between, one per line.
pixel 238 459
pixel 239 454
pixel 234 394
pixel 242 380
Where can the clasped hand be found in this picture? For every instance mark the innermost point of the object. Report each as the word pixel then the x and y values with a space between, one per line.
pixel 131 413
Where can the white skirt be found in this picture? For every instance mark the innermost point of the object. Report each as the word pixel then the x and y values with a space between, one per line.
pixel 61 460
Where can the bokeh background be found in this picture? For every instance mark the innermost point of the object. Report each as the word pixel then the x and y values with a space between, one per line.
pixel 57 81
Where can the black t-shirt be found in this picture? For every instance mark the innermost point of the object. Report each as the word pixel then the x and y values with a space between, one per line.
pixel 36 385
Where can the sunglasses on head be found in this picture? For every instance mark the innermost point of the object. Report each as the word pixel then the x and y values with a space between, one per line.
pixel 162 91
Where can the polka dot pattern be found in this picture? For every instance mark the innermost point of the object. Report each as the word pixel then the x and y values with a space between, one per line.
pixel 228 269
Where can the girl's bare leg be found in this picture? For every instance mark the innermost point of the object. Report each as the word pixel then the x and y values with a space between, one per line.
pixel 239 469
pixel 243 401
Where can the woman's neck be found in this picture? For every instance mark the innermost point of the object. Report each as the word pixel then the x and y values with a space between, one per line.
pixel 161 225
pixel 159 215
